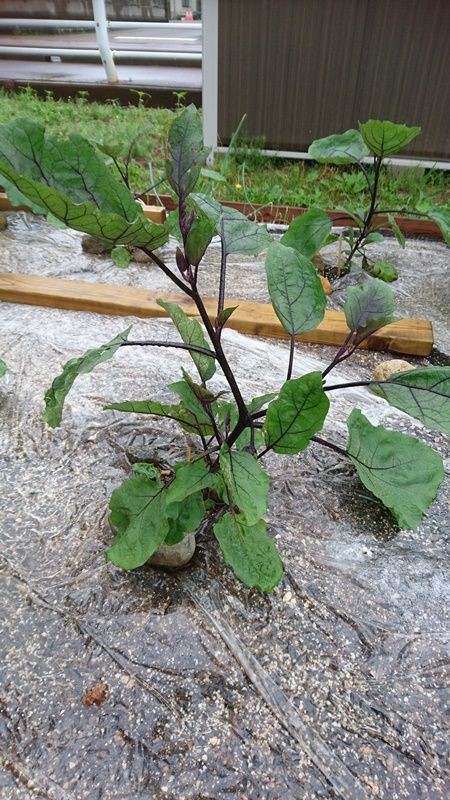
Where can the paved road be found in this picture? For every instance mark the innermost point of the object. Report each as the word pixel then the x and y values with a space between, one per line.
pixel 132 75
pixel 187 41
pixel 161 78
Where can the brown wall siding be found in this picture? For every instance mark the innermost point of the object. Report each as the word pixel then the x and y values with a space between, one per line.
pixel 301 69
pixel 129 10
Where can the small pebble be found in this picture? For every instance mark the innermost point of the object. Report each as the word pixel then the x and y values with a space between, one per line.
pixel 91 244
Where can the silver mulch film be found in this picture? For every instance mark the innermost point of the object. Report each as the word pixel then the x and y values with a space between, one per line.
pixel 331 687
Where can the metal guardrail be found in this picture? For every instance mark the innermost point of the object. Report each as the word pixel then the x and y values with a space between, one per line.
pixel 119 55
pixel 67 24
pixel 101 26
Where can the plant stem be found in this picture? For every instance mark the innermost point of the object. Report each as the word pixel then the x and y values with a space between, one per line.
pixel 184 288
pixel 205 449
pixel 217 434
pixel 365 173
pixel 350 214
pixel 291 357
pixel 368 218
pixel 206 454
pixel 151 188
pixel 123 175
pixel 220 355
pixel 340 355
pixel 260 455
pixel 180 345
pixel 192 292
pixel 252 448
pixel 259 414
pixel 402 211
pixel 330 445
pixel 244 416
pixel 348 385
pixel 223 270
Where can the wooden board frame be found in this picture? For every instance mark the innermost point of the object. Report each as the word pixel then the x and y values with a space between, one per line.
pixel 280 214
pixel 152 212
pixel 271 213
pixel 408 336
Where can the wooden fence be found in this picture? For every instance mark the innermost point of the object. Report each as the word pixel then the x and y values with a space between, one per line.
pixel 301 69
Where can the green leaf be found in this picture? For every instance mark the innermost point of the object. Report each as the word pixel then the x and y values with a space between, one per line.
pixel 246 481
pixel 384 271
pixel 259 402
pixel 56 395
pixel 297 414
pixel 356 215
pixel 192 400
pixel 18 199
pixel 190 478
pixel 238 234
pixel 402 472
pixel 185 506
pixel 225 315
pixel 440 215
pixel 241 235
pixel 308 232
pixel 369 307
pixel 295 289
pixel 249 551
pixel 3 368
pixel 201 392
pixel 383 138
pixel 55 222
pixel 184 517
pixel 396 230
pixel 121 257
pixel 187 418
pixel 422 393
pixel 207 206
pixel 138 515
pixel 213 175
pixel 339 148
pixel 69 179
pixel 191 333
pixel 199 237
pixel 113 149
pixel 144 468
pixel 186 150
pixel 373 237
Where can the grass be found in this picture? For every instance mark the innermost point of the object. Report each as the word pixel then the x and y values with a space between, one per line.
pixel 250 176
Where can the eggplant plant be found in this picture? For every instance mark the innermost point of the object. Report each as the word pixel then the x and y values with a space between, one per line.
pixel 224 482
pixel 378 140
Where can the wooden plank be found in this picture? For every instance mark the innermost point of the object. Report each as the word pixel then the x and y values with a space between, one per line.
pixel 408 336
pixel 154 213
pixel 5 205
pixel 272 213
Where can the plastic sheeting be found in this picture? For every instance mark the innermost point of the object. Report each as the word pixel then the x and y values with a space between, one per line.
pixel 332 686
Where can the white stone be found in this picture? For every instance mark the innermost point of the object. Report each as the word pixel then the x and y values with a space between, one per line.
pixel 388 368
pixel 174 555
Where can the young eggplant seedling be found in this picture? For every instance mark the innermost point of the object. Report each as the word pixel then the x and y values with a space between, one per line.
pixel 225 483
pixel 376 140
